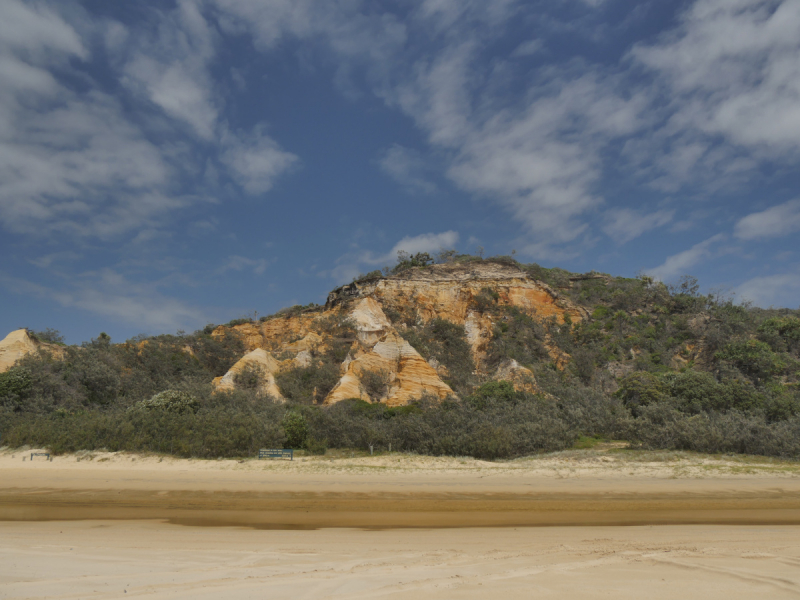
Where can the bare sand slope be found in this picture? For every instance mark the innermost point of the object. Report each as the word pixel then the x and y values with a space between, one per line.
pixel 129 559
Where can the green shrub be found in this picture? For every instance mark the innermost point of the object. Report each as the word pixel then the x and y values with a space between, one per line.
pixel 205 434
pixel 175 401
pixel 519 337
pixel 641 389
pixel 375 383
pixel 308 385
pixel 252 377
pixel 781 333
pixel 15 384
pixel 407 261
pixel 486 299
pixel 51 336
pixel 316 446
pixel 16 381
pixel 296 429
pixel 661 426
pixel 239 321
pixel 377 274
pixel 753 358
pixel 493 391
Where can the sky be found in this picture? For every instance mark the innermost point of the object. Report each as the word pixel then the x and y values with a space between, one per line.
pixel 164 165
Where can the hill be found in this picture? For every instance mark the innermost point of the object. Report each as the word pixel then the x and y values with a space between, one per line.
pixel 487 357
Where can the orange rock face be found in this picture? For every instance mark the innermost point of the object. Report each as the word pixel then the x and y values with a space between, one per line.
pixel 275 334
pixel 260 359
pixel 407 375
pixel 382 366
pixel 449 292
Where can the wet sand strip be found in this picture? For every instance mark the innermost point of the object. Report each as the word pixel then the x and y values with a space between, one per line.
pixel 303 510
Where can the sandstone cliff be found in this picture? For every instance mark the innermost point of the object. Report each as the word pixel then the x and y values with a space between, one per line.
pixel 381 365
pixel 20 343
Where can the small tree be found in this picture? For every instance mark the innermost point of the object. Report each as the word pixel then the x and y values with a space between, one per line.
pixel 375 383
pixel 296 429
pixel 52 336
pixel 407 261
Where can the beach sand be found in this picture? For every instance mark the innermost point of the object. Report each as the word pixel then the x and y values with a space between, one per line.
pixel 581 524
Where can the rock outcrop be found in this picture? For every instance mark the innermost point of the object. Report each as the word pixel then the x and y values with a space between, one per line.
pixel 381 365
pixel 258 359
pixel 20 343
pixel 399 372
pixel 521 377
pixel 449 292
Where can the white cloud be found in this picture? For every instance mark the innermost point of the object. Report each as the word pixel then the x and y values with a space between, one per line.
pixel 678 263
pixel 624 225
pixel 170 67
pixel 771 223
pixel 38 31
pixel 69 161
pixel 240 263
pixel 109 294
pixel 407 167
pixel 543 163
pixel 354 33
pixel 44 262
pixel 437 95
pixel 353 263
pixel 732 72
pixel 427 242
pixel 723 96
pixel 81 162
pixel 772 290
pixel 541 159
pixel 528 48
pixel 255 160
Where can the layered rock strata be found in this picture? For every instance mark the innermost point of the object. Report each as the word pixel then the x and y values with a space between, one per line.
pixel 381 365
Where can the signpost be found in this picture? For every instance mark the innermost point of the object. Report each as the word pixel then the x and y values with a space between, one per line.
pixel 284 453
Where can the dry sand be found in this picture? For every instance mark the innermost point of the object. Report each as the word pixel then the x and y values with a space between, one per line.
pixel 114 524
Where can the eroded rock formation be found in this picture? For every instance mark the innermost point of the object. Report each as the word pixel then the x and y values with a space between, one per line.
pixel 20 343
pixel 263 363
pixel 381 365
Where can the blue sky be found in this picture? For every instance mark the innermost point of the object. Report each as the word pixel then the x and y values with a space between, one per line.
pixel 164 165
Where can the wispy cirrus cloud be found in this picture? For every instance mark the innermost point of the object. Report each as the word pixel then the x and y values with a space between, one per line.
pixel 255 160
pixel 782 289
pixel 677 264
pixel 242 263
pixel 771 223
pixel 82 162
pixel 108 293
pixel 625 224
pixel 407 167
pixel 730 69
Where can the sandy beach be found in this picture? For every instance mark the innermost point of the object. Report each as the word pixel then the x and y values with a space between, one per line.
pixel 575 524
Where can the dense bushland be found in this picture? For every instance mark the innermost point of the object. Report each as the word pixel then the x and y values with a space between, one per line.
pixel 660 366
